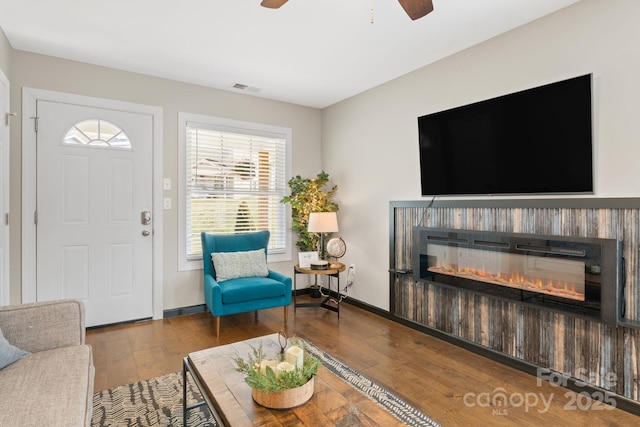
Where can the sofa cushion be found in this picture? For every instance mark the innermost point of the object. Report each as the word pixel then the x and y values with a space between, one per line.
pixel 41 326
pixel 249 289
pixel 9 353
pixel 49 388
pixel 234 265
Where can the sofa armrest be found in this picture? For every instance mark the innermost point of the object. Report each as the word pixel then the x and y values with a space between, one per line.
pixel 44 325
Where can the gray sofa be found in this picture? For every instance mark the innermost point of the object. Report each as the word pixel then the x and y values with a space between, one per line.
pixel 52 386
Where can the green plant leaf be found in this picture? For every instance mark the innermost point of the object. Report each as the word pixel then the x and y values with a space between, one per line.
pixel 270 382
pixel 308 195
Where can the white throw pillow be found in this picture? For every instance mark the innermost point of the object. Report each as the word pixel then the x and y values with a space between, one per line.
pixel 233 265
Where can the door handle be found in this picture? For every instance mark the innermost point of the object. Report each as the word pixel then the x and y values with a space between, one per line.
pixel 145 233
pixel 145 217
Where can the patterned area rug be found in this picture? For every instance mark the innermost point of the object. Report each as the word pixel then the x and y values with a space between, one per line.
pixel 158 401
pixel 155 402
pixel 396 406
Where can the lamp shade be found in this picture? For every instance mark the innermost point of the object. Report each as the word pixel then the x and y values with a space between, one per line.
pixel 323 222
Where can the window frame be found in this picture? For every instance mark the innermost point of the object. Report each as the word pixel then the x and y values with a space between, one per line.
pixel 98 142
pixel 238 126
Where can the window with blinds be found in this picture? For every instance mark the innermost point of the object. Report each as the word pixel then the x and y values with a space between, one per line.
pixel 235 179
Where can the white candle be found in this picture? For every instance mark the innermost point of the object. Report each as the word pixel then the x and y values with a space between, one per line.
pixel 295 356
pixel 271 363
pixel 284 366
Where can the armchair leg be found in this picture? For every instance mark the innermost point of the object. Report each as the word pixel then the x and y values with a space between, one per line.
pixel 255 315
pixel 286 314
pixel 218 327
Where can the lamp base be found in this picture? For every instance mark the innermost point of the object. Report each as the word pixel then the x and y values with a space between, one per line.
pixel 314 292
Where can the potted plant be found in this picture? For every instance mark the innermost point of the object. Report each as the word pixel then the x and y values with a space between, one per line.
pixel 283 382
pixel 308 195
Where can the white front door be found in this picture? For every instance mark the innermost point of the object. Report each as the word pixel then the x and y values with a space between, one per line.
pixel 4 190
pixel 94 204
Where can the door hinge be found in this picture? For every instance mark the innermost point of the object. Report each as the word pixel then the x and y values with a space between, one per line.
pixel 35 217
pixel 6 218
pixel 35 123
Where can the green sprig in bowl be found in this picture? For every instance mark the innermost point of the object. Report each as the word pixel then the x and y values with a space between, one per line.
pixel 282 382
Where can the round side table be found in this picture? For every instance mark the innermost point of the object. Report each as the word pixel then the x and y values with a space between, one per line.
pixel 334 269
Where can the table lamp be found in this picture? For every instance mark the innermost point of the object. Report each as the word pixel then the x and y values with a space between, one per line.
pixel 322 223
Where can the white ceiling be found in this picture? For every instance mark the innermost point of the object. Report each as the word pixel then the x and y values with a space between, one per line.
pixel 312 53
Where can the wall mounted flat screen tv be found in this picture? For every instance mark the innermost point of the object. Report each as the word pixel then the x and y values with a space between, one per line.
pixel 537 141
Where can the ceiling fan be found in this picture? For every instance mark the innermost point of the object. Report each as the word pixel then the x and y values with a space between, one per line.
pixel 416 9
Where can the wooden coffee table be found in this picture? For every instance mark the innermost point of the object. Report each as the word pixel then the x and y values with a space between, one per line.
pixel 334 401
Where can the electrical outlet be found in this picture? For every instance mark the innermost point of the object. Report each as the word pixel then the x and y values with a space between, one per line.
pixel 167 202
pixel 166 184
pixel 351 276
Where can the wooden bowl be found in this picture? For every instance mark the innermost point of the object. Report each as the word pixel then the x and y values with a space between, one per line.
pixel 284 399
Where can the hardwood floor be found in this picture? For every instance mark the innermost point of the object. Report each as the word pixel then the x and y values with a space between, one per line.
pixel 452 385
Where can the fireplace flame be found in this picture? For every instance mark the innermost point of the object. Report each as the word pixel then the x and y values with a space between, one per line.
pixel 516 280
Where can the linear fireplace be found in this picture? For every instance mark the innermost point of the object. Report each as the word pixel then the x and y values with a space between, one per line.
pixel 570 274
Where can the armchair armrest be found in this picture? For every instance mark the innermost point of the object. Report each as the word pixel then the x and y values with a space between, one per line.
pixel 280 278
pixel 44 325
pixel 212 295
pixel 283 279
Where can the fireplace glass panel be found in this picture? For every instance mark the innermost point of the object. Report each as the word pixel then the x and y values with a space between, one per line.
pixel 568 274
pixel 563 278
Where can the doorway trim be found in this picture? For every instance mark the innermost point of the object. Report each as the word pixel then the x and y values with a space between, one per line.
pixel 30 96
pixel 5 268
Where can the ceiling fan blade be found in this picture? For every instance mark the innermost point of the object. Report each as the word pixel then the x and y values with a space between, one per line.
pixel 272 4
pixel 416 9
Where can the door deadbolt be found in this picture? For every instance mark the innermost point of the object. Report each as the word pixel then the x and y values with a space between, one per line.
pixel 145 217
pixel 145 233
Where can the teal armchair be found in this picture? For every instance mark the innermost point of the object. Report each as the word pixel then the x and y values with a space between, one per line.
pixel 236 277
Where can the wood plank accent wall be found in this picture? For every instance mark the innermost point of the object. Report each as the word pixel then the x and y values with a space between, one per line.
pixel 581 348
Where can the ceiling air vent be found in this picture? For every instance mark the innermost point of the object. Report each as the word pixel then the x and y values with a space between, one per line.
pixel 247 88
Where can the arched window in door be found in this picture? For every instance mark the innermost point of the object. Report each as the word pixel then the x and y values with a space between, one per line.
pixel 97 133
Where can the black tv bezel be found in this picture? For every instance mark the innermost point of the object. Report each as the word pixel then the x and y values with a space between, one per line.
pixel 525 92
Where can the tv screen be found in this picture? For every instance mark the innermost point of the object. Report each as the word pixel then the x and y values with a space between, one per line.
pixel 534 141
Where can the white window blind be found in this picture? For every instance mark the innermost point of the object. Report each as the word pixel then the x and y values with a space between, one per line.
pixel 235 179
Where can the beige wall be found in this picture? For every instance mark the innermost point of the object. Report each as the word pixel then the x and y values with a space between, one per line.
pixel 181 289
pixel 370 142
